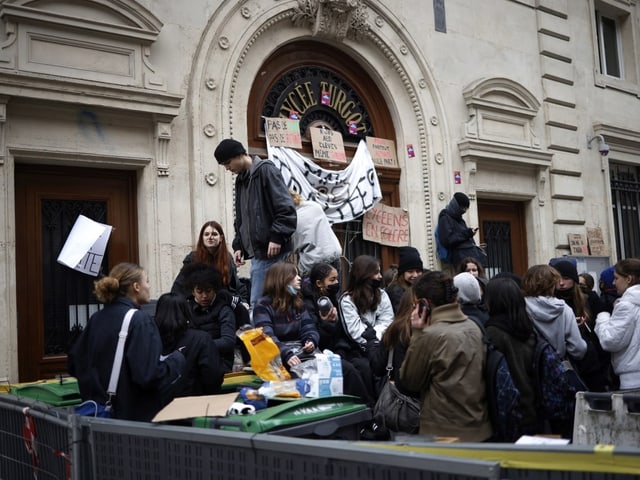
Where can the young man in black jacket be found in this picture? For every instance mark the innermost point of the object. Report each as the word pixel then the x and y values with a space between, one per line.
pixel 265 217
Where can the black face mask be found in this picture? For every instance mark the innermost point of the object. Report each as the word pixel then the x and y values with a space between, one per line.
pixel 565 294
pixel 332 290
pixel 375 283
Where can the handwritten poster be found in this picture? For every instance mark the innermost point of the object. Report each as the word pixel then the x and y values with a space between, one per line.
pixel 578 244
pixel 383 152
pixel 386 225
pixel 85 246
pixel 596 242
pixel 283 132
pixel 327 145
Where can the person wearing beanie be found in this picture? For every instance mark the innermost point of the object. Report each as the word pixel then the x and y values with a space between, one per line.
pixel 455 235
pixel 265 217
pixel 594 366
pixel 470 298
pixel 409 268
pixel 608 292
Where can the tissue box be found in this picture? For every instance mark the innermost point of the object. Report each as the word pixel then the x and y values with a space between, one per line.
pixel 328 379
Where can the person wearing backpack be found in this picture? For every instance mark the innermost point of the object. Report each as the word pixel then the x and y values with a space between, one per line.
pixel 445 363
pixel 554 322
pixel 510 330
pixel 619 332
pixel 454 234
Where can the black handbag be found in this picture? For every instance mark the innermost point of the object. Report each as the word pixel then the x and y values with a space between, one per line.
pixel 395 410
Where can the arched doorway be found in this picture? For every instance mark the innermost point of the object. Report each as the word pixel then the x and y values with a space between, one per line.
pixel 294 78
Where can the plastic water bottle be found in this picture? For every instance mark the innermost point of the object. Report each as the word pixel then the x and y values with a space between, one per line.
pixel 324 305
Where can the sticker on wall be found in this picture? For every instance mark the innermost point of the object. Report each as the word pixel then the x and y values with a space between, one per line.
pixel 325 97
pixel 457 178
pixel 410 151
pixel 293 115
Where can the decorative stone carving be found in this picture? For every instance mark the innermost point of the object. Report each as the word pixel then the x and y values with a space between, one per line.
pixel 336 19
pixel 3 119
pixel 211 179
pixel 163 137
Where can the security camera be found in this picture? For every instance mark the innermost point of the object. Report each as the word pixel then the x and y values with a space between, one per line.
pixel 603 148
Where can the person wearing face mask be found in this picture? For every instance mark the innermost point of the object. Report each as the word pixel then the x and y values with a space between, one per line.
pixel 365 308
pixel 283 317
pixel 321 285
pixel 594 366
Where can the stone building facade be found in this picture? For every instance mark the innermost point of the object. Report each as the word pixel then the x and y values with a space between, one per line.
pixel 113 108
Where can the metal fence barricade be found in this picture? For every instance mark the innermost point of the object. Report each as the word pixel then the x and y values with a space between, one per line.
pixel 129 450
pixel 34 440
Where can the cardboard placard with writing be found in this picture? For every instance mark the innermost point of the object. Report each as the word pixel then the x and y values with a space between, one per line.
pixel 85 246
pixel 578 244
pixel 596 242
pixel 283 132
pixel 383 151
pixel 327 145
pixel 386 225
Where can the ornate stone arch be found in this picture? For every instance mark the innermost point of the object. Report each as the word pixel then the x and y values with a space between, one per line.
pixel 240 36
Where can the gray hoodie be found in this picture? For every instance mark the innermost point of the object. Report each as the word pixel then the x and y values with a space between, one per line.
pixel 556 322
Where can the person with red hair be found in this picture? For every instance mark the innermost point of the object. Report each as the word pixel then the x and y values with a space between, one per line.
pixel 212 250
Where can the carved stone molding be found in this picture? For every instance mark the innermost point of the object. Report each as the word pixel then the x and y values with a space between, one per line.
pixel 3 120
pixel 163 137
pixel 336 19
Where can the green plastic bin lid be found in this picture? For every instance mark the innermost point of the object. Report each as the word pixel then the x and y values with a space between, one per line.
pixel 290 413
pixel 56 393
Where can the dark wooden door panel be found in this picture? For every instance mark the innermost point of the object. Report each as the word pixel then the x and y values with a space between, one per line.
pixel 45 308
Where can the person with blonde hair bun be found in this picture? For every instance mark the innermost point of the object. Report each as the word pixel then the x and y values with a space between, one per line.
pixel 144 376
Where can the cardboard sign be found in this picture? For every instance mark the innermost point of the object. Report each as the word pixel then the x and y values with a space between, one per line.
pixel 596 242
pixel 578 244
pixel 199 406
pixel 386 225
pixel 327 145
pixel 84 249
pixel 383 152
pixel 283 132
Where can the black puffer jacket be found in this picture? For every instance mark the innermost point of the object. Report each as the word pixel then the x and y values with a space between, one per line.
pixel 264 209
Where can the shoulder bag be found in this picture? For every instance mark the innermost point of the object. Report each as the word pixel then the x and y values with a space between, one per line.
pixel 94 409
pixel 395 410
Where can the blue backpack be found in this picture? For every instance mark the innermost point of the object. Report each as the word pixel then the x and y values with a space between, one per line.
pixel 443 252
pixel 503 397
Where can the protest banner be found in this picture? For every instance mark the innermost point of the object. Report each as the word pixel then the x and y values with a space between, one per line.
pixel 85 246
pixel 327 145
pixel 386 225
pixel 283 132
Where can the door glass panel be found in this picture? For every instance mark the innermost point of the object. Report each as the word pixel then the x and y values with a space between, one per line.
pixel 67 293
pixel 497 236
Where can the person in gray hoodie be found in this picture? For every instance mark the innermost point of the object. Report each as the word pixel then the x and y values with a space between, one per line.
pixel 553 319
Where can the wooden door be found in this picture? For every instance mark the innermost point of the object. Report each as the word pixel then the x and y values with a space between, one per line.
pixel 54 301
pixel 502 229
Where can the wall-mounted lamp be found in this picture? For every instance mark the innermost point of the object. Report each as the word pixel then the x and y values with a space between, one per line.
pixel 603 148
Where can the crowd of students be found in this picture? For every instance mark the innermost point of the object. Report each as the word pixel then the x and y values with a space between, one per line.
pixel 434 322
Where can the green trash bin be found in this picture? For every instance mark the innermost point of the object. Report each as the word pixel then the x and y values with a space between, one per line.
pixel 335 417
pixel 59 393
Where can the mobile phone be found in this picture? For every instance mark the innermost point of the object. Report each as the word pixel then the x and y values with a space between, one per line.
pixel 422 306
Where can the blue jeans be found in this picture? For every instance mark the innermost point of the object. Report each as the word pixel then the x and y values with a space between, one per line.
pixel 258 271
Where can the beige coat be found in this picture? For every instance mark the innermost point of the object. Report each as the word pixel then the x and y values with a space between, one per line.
pixel 445 363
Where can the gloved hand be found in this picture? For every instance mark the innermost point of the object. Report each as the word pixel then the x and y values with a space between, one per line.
pixel 369 333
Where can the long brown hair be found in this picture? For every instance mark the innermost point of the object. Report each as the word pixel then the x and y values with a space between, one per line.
pixel 399 331
pixel 275 285
pixel 540 281
pixel 220 256
pixel 364 296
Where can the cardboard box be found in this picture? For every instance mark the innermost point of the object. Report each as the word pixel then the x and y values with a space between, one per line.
pixel 192 407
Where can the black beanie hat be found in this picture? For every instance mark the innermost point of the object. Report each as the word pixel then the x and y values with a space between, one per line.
pixel 409 259
pixel 567 269
pixel 462 199
pixel 228 149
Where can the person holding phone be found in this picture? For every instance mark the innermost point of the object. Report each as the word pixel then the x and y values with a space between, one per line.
pixel 445 363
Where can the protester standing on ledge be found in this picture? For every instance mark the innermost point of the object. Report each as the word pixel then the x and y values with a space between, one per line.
pixel 454 233
pixel 265 217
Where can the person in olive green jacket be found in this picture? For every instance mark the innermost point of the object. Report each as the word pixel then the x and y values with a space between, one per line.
pixel 445 363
